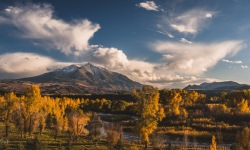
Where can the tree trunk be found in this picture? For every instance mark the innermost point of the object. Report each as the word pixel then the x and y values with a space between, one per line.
pixel 30 126
pixel 21 134
pixel 25 128
pixel 95 131
pixel 40 128
pixel 146 145
pixel 7 130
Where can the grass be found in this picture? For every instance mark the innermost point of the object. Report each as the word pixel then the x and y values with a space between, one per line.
pixel 47 138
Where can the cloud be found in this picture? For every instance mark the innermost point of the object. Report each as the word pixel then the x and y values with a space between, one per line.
pixel 111 58
pixel 116 60
pixel 244 67
pixel 195 58
pixel 149 5
pixel 37 22
pixel 180 64
pixel 170 35
pixel 23 64
pixel 190 22
pixel 178 67
pixel 232 62
pixel 183 40
pixel 166 33
pixel 178 81
pixel 20 65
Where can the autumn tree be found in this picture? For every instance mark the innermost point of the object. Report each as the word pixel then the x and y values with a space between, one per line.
pixel 77 123
pixel 243 139
pixel 94 126
pixel 243 106
pixel 57 116
pixel 213 145
pixel 113 135
pixel 18 118
pixel 7 107
pixel 149 111
pixel 32 105
pixel 119 105
pixel 172 100
pixel 192 97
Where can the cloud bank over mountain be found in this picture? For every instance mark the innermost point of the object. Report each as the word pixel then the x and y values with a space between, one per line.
pixel 181 60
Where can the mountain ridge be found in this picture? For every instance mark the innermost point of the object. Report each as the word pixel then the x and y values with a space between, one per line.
pixel 75 79
pixel 220 86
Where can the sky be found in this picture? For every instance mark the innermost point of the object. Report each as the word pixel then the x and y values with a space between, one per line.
pixel 168 44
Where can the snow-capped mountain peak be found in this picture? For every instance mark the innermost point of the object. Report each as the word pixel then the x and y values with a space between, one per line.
pixel 69 69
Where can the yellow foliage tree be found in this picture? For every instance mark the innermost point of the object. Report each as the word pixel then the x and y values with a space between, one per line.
pixel 76 124
pixel 243 106
pixel 149 111
pixel 242 139
pixel 8 105
pixel 213 145
pixel 32 105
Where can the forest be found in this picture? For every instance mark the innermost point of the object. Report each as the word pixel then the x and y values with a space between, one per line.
pixel 152 119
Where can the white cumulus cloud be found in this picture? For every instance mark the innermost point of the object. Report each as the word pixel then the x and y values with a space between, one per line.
pixel 116 60
pixel 37 22
pixel 20 65
pixel 111 58
pixel 16 65
pixel 149 5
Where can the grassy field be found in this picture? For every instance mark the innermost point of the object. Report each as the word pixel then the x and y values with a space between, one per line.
pixel 61 142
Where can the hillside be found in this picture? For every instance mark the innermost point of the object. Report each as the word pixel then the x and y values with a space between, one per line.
pixel 218 86
pixel 75 80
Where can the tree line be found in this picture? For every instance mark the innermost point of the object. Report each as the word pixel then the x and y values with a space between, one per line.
pixel 32 113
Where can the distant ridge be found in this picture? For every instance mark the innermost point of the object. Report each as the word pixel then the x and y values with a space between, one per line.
pixel 76 79
pixel 221 86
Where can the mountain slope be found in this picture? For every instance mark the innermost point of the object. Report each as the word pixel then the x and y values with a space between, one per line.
pixel 80 80
pixel 223 86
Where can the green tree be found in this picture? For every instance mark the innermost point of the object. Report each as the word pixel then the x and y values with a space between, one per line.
pixel 149 111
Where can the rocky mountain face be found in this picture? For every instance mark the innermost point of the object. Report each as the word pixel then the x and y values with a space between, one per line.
pixel 221 86
pixel 75 80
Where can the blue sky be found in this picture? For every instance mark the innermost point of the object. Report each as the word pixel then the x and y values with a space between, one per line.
pixel 169 43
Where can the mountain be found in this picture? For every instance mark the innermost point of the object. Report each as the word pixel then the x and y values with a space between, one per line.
pixel 76 80
pixel 221 86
